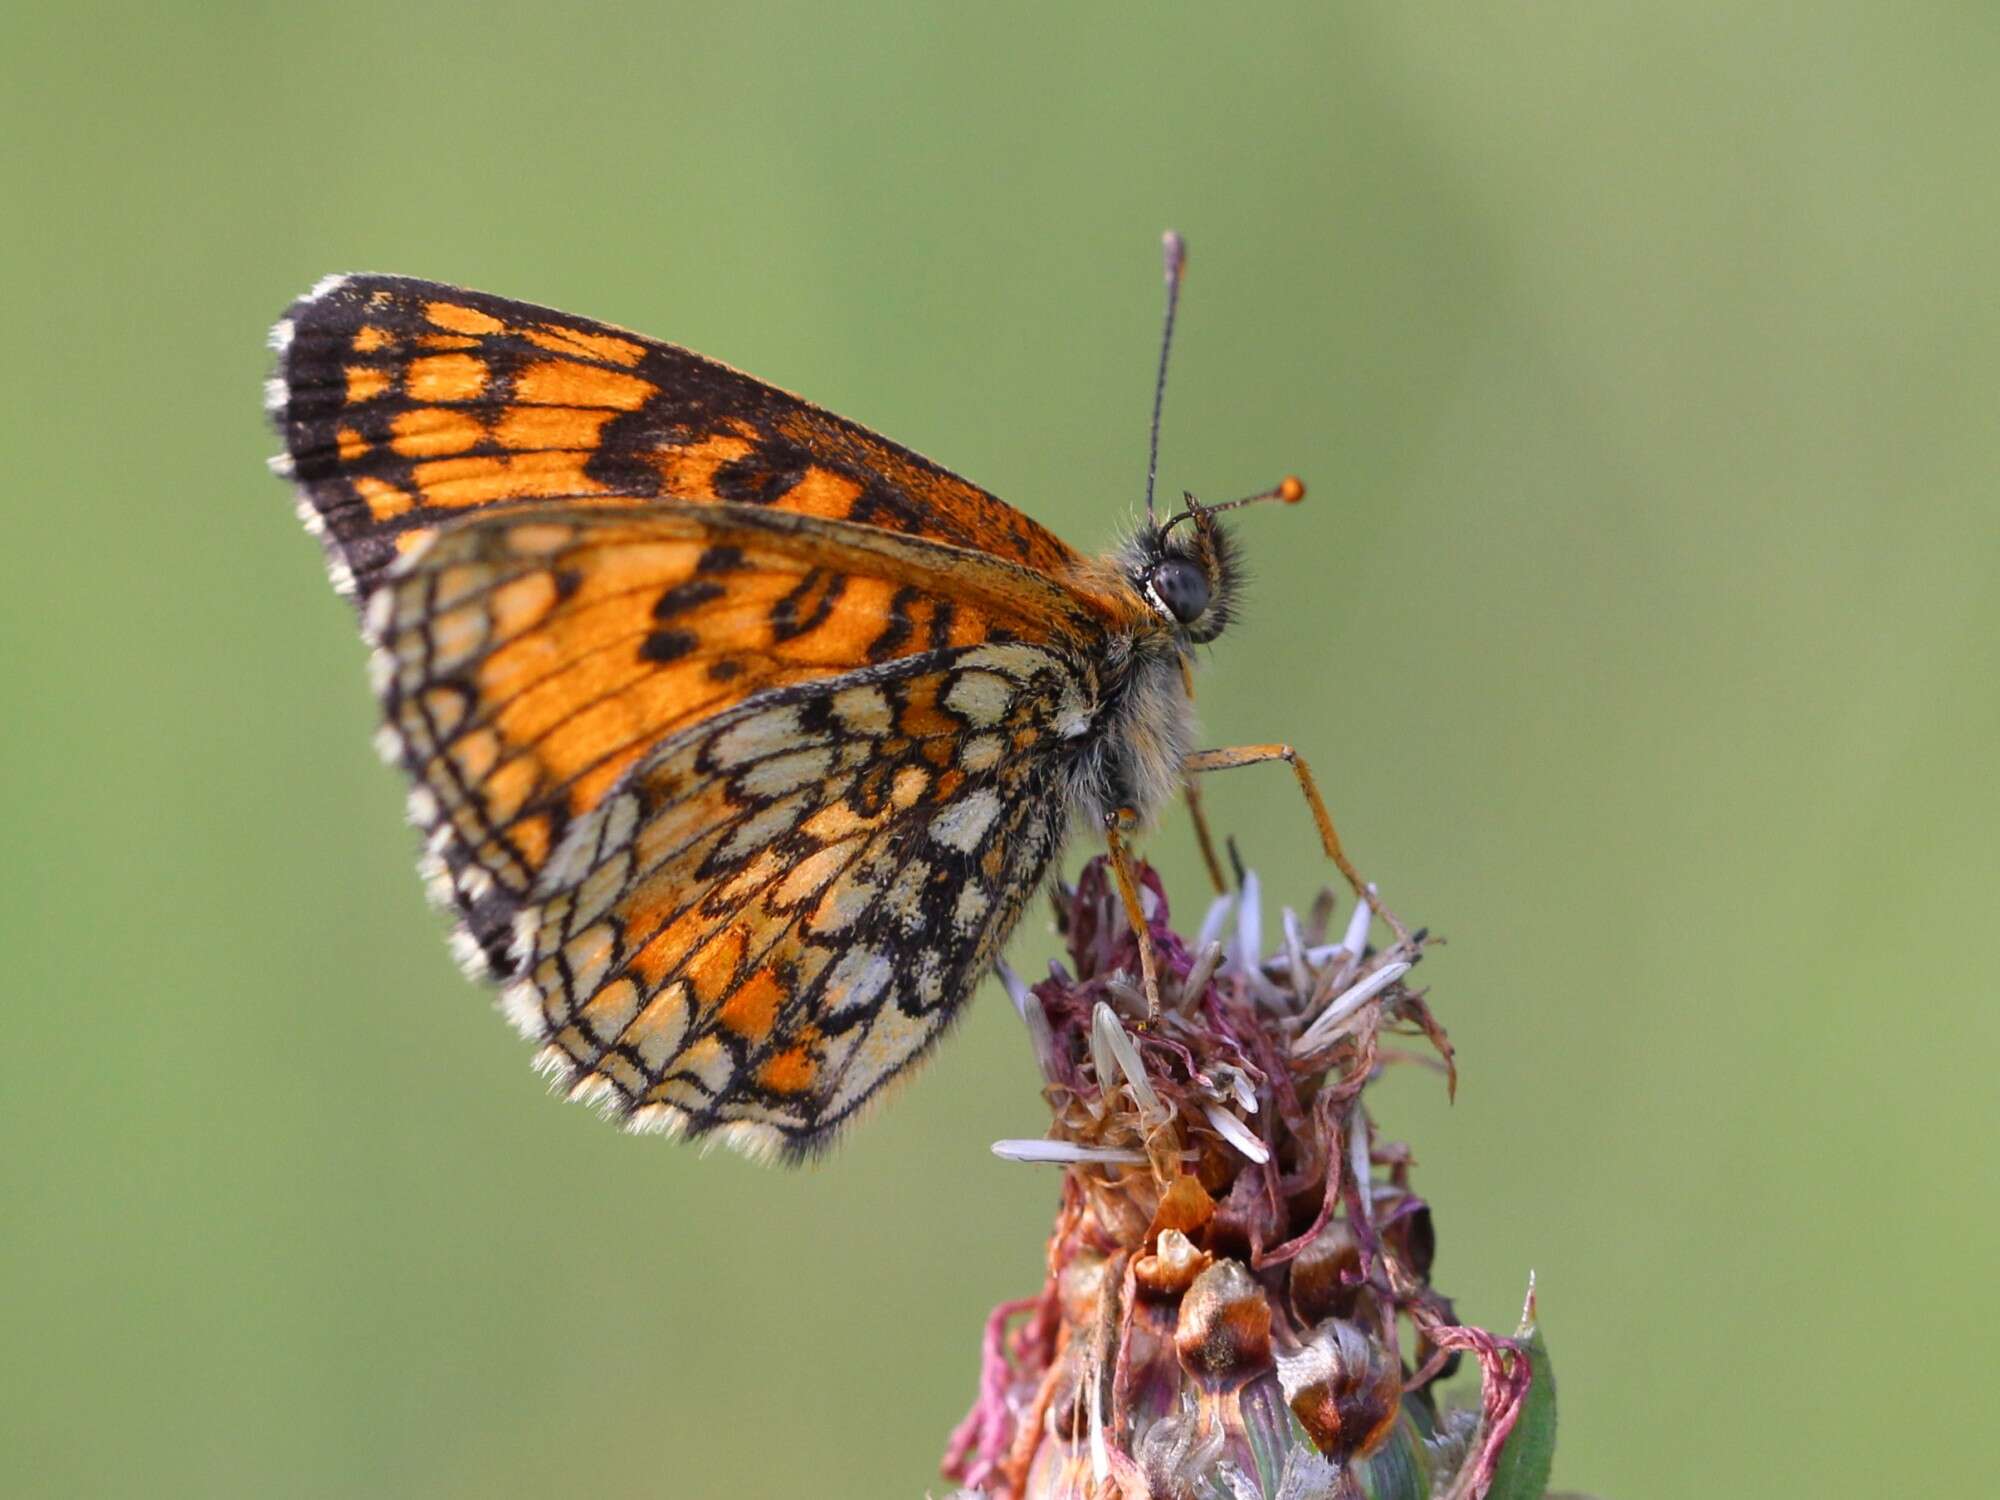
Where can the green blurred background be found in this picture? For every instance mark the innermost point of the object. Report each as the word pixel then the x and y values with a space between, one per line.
pixel 1643 366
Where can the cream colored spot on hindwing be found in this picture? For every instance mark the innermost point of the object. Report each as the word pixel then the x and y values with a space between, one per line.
pixel 588 956
pixel 806 878
pixel 604 885
pixel 661 1027
pixel 784 773
pixel 929 987
pixel 904 898
pixel 767 733
pixel 863 710
pixel 610 1011
pixel 839 907
pixel 1014 658
pixel 709 1063
pixel 856 980
pixel 963 824
pixel 972 905
pixel 761 827
pixel 981 698
pixel 982 752
pixel 890 1040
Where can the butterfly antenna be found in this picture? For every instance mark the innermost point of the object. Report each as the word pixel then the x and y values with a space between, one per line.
pixel 1291 490
pixel 1173 251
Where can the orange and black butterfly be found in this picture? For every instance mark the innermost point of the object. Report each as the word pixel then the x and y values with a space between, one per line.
pixel 738 734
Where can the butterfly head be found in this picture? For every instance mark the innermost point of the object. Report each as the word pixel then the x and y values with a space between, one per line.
pixel 1186 566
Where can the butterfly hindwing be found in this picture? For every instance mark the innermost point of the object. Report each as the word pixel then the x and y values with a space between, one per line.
pixel 776 911
pixel 404 404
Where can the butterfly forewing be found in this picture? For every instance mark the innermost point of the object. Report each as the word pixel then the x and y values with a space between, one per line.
pixel 405 404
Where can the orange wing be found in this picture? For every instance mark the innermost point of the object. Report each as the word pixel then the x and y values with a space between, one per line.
pixel 404 404
pixel 738 734
pixel 527 658
pixel 743 802
pixel 778 911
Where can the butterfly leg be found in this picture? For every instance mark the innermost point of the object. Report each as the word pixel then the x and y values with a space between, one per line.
pixel 1200 819
pixel 1252 755
pixel 1205 840
pixel 1116 826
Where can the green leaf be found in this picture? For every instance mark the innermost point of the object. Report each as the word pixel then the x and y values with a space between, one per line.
pixel 1523 1472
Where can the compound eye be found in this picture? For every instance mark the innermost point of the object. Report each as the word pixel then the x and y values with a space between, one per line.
pixel 1182 587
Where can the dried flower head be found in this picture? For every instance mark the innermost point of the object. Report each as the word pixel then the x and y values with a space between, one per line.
pixel 1238 1300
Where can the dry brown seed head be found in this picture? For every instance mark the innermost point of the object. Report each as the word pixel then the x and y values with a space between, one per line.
pixel 1173 1267
pixel 1224 1333
pixel 1326 1275
pixel 1344 1388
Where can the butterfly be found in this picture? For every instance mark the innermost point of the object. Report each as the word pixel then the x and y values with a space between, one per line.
pixel 738 736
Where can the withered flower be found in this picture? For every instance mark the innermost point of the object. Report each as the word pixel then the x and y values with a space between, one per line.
pixel 1238 1302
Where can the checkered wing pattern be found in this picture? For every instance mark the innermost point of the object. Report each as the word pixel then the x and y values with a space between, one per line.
pixel 739 806
pixel 406 404
pixel 737 734
pixel 778 911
